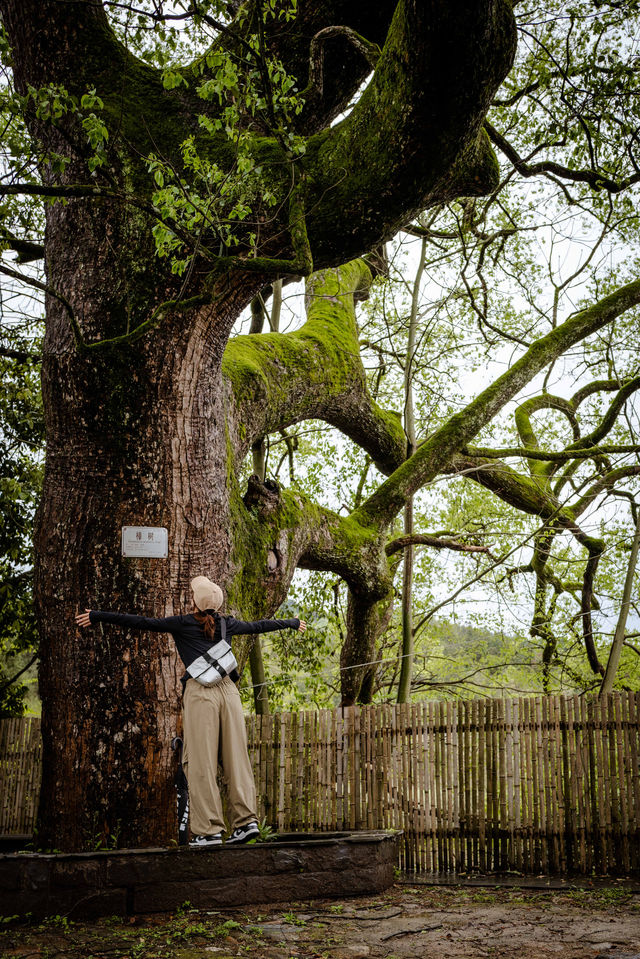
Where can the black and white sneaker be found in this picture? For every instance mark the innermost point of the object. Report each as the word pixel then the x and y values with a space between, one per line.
pixel 244 833
pixel 199 842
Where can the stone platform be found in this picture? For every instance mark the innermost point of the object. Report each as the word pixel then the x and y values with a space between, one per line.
pixel 291 866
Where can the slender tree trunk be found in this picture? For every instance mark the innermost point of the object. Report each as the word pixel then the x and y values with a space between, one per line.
pixel 406 666
pixel 256 659
pixel 276 306
pixel 618 639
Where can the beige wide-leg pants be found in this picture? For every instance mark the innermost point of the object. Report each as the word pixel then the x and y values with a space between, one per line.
pixel 213 724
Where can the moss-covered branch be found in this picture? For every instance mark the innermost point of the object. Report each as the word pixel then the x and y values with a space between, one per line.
pixel 416 130
pixel 369 50
pixel 434 454
pixel 277 530
pixel 556 456
pixel 344 66
pixel 526 431
pixel 277 379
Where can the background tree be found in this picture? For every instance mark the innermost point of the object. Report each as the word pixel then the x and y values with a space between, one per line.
pixel 21 457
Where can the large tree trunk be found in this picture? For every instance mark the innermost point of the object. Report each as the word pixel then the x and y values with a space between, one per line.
pixel 135 437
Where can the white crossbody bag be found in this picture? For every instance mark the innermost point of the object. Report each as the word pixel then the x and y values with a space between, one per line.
pixel 216 663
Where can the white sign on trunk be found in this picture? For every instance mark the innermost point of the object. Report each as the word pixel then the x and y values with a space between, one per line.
pixel 145 541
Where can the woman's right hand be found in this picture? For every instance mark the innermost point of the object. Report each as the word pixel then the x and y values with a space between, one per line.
pixel 83 619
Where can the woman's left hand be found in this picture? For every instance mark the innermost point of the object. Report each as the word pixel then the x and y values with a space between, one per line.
pixel 83 619
pixel 302 626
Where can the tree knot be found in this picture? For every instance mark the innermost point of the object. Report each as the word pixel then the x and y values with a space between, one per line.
pixel 265 496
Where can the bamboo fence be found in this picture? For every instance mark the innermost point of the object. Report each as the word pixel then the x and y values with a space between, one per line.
pixel 542 785
pixel 20 773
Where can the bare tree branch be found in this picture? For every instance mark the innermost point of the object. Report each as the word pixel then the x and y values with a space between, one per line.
pixel 598 181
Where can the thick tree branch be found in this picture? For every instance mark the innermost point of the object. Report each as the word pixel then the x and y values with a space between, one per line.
pixel 370 51
pixel 596 386
pixel 277 379
pixel 286 530
pixel 299 533
pixel 525 428
pixel 416 130
pixel 344 66
pixel 433 455
pixel 27 250
pixel 22 356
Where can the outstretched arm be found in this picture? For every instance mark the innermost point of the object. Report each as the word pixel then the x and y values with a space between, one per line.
pixel 236 627
pixel 166 624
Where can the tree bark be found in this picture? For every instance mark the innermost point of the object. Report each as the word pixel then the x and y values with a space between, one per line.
pixel 134 438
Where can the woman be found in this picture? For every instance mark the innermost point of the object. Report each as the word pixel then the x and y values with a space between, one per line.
pixel 213 721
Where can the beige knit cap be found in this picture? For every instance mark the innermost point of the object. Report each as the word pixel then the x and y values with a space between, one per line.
pixel 206 595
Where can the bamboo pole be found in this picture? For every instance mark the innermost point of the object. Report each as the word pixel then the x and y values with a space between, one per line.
pixel 482 777
pixel 433 797
pixel 532 859
pixel 474 776
pixel 517 787
pixel 597 788
pixel 577 779
pixel 570 790
pixel 622 779
pixel 632 734
pixel 559 820
pixel 605 787
pixel 543 789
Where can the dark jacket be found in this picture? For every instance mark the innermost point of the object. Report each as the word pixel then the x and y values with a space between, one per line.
pixel 187 632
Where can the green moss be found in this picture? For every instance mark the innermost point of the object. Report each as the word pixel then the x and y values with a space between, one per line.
pixel 340 543
pixel 325 350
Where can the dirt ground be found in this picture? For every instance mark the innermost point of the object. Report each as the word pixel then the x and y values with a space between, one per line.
pixel 431 922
